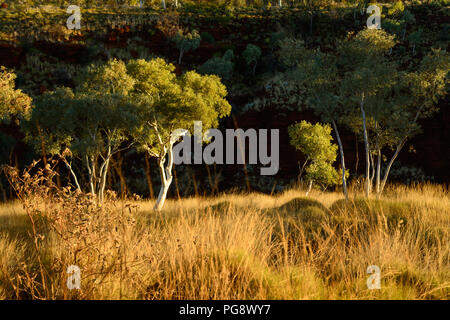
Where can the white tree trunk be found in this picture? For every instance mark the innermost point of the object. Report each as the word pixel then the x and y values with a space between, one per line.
pixel 366 144
pixel 163 3
pixel 180 56
pixel 377 181
pixel 309 188
pixel 74 176
pixel 166 177
pixel 162 195
pixel 341 151
pixel 91 174
pixel 101 192
pixel 388 168
pixel 398 149
pixel 372 167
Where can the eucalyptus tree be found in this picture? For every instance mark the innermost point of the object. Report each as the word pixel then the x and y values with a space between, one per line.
pixel 91 123
pixel 314 78
pixel 46 130
pixel 251 55
pixel 315 141
pixel 366 72
pixel 391 100
pixel 167 106
pixel 186 42
pixel 417 94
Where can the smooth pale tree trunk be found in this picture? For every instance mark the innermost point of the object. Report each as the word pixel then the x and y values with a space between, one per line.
pixel 163 4
pixel 74 176
pixel 372 167
pixel 91 174
pixel 180 56
pixel 176 3
pixel 280 3
pixel 104 171
pixel 377 179
pixel 309 188
pixel 398 149
pixel 166 177
pixel 366 144
pixel 388 168
pixel 341 152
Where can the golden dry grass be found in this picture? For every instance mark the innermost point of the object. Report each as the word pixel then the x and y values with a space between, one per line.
pixel 236 246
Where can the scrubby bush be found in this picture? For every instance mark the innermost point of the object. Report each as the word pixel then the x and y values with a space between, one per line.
pixel 251 55
pixel 186 42
pixel 314 141
pixel 222 67
pixel 68 228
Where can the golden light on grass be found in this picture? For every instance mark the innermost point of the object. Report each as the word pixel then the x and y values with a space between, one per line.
pixel 234 246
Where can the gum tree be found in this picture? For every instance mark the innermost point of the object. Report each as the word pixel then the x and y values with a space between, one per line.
pixel 91 123
pixel 167 106
pixel 312 81
pixel 417 94
pixel 366 73
pixel 315 142
pixel 391 100
pixel 186 42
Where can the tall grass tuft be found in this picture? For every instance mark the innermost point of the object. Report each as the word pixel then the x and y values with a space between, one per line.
pixel 232 246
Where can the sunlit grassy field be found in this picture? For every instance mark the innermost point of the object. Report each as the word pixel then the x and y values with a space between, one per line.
pixel 233 246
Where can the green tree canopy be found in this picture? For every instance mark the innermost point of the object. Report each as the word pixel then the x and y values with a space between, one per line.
pixel 166 103
pixel 315 142
pixel 14 104
pixel 92 122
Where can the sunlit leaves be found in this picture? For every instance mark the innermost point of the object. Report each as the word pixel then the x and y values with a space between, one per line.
pixel 109 78
pixel 14 104
pixel 166 102
pixel 315 142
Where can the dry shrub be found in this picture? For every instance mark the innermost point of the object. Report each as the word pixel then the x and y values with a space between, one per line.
pixel 71 228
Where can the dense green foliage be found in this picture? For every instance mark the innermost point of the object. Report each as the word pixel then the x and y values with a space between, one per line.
pixel 304 56
pixel 13 103
pixel 315 142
